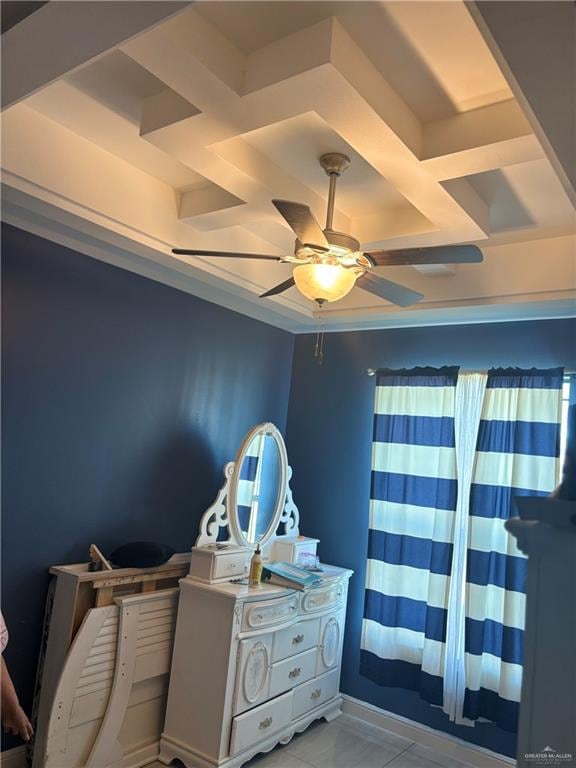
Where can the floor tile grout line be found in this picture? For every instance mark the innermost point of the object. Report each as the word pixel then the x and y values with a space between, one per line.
pixel 297 757
pixel 305 761
pixel 399 753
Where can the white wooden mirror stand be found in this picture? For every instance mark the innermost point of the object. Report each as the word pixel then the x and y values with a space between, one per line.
pixel 252 505
pixel 251 665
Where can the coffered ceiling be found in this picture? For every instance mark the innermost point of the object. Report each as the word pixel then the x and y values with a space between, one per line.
pixel 177 126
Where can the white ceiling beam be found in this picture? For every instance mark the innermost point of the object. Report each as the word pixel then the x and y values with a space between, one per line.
pixel 62 36
pixel 534 44
pixel 480 140
pixel 82 113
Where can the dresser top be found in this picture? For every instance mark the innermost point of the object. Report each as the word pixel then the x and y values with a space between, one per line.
pixel 246 593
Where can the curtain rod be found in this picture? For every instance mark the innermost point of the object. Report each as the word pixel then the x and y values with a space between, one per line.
pixel 567 371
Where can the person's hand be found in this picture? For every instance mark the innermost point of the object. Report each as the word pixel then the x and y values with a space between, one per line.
pixel 15 721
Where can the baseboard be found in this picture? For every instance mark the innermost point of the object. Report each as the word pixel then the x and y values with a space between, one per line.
pixel 143 756
pixel 16 758
pixel 13 758
pixel 451 746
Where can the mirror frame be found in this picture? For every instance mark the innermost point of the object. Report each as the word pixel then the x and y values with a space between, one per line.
pixel 267 429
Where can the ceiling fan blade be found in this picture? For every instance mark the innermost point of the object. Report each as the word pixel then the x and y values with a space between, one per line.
pixel 303 224
pixel 386 289
pixel 445 254
pixel 224 254
pixel 279 288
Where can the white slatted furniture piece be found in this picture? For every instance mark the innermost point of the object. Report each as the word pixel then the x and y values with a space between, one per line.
pixel 251 665
pixel 109 705
pixel 73 591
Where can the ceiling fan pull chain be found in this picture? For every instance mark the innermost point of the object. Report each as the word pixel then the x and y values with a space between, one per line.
pixel 319 346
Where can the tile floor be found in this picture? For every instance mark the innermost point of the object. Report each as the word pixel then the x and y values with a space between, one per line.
pixel 349 743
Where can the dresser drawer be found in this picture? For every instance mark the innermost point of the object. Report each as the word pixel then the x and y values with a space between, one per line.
pixel 296 639
pixel 267 613
pixel 210 564
pixel 323 597
pixel 256 725
pixel 315 692
pixel 229 565
pixel 292 671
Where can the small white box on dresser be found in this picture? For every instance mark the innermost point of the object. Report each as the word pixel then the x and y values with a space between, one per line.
pixel 214 564
pixel 288 549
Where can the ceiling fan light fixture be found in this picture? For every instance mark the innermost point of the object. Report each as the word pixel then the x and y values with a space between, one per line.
pixel 324 282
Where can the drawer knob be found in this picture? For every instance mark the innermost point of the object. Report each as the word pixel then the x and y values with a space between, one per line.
pixel 295 673
pixel 265 723
pixel 316 694
pixel 298 639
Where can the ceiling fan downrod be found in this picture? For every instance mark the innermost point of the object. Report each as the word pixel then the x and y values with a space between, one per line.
pixel 334 164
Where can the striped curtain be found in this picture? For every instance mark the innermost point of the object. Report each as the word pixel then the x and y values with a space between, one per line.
pixel 413 506
pixel 517 455
pixel 413 498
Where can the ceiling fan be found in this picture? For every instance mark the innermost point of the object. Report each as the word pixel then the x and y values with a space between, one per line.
pixel 328 264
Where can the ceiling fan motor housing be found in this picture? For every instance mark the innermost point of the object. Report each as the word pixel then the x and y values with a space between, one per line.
pixel 342 246
pixel 342 240
pixel 334 162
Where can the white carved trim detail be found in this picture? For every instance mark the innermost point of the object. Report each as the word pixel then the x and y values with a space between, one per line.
pixel 290 515
pixel 319 598
pixel 275 613
pixel 251 695
pixel 330 643
pixel 216 516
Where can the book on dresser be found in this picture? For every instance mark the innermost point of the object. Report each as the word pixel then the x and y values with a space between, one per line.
pixel 290 576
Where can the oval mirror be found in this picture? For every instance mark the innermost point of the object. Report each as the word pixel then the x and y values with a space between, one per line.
pixel 258 487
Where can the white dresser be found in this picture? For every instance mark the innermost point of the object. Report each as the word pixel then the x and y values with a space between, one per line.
pixel 251 665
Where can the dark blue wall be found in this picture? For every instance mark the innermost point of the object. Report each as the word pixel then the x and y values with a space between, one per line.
pixel 329 445
pixel 121 400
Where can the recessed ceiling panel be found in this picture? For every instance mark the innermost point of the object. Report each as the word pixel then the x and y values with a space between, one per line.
pixel 296 146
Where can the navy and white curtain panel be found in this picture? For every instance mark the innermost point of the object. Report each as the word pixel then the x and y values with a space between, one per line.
pixel 445 602
pixel 412 508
